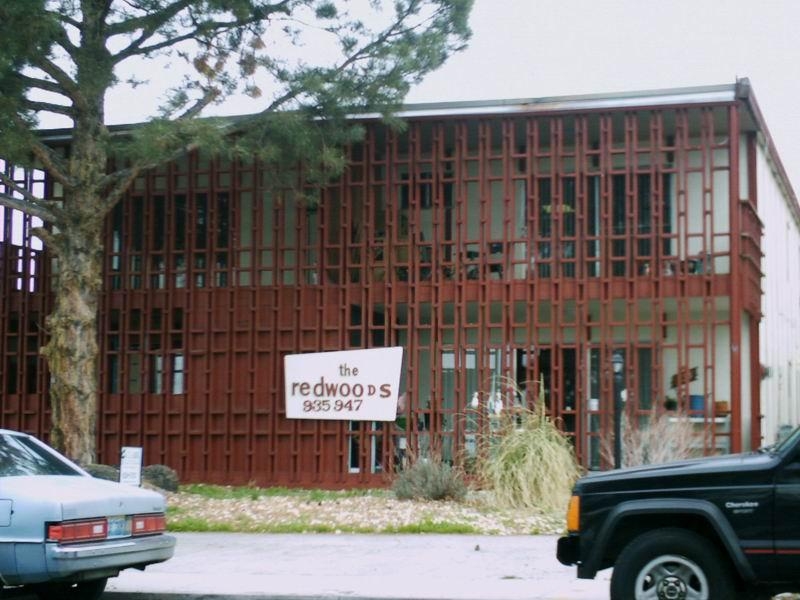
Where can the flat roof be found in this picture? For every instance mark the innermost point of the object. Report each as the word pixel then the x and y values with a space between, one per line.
pixel 635 99
pixel 712 94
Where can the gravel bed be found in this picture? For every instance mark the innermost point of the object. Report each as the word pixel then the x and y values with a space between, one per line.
pixel 368 514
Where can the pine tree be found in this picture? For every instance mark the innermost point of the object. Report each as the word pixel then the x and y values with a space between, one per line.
pixel 60 58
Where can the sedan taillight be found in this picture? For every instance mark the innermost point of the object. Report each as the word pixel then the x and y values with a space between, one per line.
pixel 148 524
pixel 77 531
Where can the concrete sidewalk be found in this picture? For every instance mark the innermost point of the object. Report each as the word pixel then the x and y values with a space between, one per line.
pixel 364 567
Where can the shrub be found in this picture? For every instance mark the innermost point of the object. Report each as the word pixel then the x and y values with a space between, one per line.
pixel 658 438
pixel 526 461
pixel 429 479
pixel 102 471
pixel 161 476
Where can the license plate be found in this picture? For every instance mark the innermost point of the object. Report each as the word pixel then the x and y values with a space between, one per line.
pixel 119 527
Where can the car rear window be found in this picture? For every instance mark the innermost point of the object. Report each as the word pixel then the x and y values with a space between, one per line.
pixel 22 456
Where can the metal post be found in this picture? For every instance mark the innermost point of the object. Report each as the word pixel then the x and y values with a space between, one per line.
pixel 618 365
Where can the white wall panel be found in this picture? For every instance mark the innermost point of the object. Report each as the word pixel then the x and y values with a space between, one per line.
pixel 780 327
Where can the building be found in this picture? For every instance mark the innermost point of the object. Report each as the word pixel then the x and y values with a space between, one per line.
pixel 633 251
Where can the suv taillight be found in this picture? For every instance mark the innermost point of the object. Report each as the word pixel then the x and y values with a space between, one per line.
pixel 77 531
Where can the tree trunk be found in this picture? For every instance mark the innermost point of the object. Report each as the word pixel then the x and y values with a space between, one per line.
pixel 72 351
pixel 76 242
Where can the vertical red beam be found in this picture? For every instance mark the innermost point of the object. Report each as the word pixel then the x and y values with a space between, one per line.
pixel 755 339
pixel 736 283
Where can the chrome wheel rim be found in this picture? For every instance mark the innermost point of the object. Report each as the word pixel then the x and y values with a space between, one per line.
pixel 671 577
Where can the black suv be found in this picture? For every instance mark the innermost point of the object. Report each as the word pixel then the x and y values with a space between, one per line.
pixel 720 528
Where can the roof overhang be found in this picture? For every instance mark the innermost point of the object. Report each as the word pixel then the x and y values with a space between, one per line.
pixel 741 91
pixel 559 104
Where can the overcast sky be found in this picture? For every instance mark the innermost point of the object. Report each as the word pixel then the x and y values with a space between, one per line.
pixel 537 48
pixel 540 48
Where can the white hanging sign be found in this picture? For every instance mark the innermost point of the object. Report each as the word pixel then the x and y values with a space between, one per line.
pixel 349 385
pixel 130 465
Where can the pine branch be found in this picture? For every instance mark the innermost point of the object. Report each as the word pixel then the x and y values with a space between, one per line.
pixel 150 24
pixel 136 48
pixel 45 235
pixel 364 52
pixel 9 182
pixel 51 162
pixel 118 181
pixel 28 204
pixel 62 39
pixel 38 83
pixel 60 109
pixel 68 87
pixel 193 111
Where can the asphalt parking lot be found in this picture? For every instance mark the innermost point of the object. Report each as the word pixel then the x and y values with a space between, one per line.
pixel 365 567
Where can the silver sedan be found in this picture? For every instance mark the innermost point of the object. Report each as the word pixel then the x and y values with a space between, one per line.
pixel 63 533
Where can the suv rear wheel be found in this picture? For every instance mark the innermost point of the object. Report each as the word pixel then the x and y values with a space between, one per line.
pixel 671 564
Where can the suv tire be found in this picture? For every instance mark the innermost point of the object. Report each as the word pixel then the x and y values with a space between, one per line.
pixel 671 563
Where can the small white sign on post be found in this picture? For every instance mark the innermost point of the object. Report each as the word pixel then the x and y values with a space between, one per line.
pixel 350 385
pixel 130 465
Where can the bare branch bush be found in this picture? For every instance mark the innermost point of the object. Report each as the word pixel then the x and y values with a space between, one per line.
pixel 658 438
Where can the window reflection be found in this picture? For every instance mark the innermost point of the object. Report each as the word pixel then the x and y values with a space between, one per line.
pixel 21 456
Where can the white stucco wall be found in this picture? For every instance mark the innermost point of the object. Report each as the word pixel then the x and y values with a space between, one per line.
pixel 779 349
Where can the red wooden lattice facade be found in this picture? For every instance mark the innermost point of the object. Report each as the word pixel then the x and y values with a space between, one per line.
pixel 493 247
